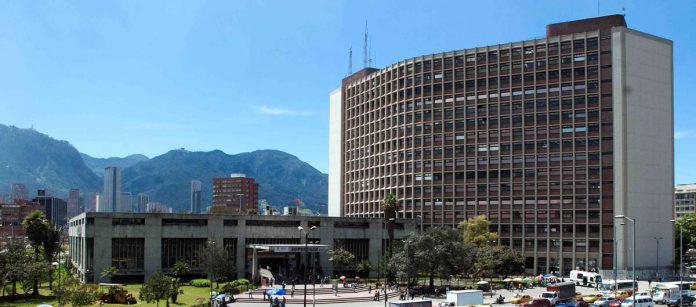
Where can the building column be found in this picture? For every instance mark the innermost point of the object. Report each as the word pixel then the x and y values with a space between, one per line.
pixel 102 248
pixel 153 246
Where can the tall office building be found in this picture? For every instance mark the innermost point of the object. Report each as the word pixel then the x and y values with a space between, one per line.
pixel 550 138
pixel 18 191
pixel 111 196
pixel 196 195
pixel 126 202
pixel 238 193
pixel 684 199
pixel 56 209
pixel 73 202
pixel 142 201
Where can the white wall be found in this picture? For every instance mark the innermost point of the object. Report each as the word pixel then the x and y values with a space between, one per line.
pixel 335 152
pixel 643 145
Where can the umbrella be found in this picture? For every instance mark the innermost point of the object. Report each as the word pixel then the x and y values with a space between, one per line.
pixel 276 291
pixel 517 279
pixel 221 297
pixel 343 277
pixel 482 283
pixel 507 280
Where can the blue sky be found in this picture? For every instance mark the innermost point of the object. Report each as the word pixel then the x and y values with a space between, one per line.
pixel 122 77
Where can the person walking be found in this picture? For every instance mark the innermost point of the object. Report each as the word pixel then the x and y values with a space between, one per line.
pixel 292 292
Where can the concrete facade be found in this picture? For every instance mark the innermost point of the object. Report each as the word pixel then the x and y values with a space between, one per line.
pixel 91 237
pixel 643 147
pixel 335 152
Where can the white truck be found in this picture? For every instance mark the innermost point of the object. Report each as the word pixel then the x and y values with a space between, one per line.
pixel 415 303
pixel 465 297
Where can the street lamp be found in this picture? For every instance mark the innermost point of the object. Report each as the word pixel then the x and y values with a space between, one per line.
pixel 635 284
pixel 210 274
pixel 387 277
pixel 657 257
pixel 306 234
pixel 57 262
pixel 681 258
pixel 240 196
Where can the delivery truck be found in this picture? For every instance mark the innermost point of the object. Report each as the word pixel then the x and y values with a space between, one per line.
pixel 465 297
pixel 560 292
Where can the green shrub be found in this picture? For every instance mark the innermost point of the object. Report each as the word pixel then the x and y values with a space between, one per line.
pixel 200 282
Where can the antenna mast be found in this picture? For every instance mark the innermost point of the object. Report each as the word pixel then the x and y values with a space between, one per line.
pixel 365 56
pixel 350 60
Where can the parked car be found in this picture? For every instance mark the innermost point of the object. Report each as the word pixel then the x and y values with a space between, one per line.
pixel 521 299
pixel 592 298
pixel 606 301
pixel 538 302
pixel 641 301
pixel 677 301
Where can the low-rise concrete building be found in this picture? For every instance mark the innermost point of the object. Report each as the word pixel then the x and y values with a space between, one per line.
pixel 138 244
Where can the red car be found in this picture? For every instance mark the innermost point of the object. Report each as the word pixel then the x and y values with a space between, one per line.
pixel 538 302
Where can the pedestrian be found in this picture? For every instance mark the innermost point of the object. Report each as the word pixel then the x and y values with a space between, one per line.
pixel 250 293
pixel 282 304
pixel 376 296
pixel 283 285
pixel 292 292
pixel 369 289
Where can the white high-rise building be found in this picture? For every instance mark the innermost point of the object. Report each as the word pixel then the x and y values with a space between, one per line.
pixel 111 197
pixel 143 199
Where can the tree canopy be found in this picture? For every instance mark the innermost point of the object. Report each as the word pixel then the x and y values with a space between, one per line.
pixel 477 231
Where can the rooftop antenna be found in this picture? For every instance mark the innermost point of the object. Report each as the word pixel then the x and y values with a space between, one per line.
pixel 350 60
pixel 365 47
pixel 623 11
pixel 370 51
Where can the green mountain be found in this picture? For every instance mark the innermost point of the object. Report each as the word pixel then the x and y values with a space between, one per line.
pixel 40 161
pixel 281 177
pixel 97 165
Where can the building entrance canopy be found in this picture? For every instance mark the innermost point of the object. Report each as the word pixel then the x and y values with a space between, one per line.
pixel 289 248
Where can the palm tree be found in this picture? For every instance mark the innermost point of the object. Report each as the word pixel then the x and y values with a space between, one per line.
pixel 36 227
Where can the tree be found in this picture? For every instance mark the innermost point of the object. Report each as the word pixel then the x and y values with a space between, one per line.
pixel 156 288
pixel 180 268
pixel 687 224
pixel 477 231
pixel 364 267
pixel 36 227
pixel 390 206
pixel 32 274
pixel 51 246
pixel 341 257
pixel 510 261
pixel 83 295
pixel 438 252
pixel 216 262
pixel 109 273
pixel 13 257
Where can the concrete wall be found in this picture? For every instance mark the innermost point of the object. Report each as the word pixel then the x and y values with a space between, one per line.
pixel 335 152
pixel 102 231
pixel 643 146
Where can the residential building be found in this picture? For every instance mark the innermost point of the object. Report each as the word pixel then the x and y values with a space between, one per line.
pixel 111 196
pixel 139 244
pixel 550 138
pixel 196 196
pixel 684 199
pixel 238 193
pixel 126 202
pixel 56 209
pixel 73 202
pixel 289 210
pixel 155 207
pixel 143 199
pixel 12 215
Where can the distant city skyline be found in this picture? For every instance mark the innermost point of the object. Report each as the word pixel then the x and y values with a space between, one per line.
pixel 170 75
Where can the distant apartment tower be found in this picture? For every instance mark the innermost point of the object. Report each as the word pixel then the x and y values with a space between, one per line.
pixel 73 202
pixel 290 210
pixel 684 199
pixel 126 202
pixel 111 197
pixel 56 209
pixel 12 215
pixel 237 192
pixel 196 196
pixel 155 207
pixel 18 191
pixel 550 138
pixel 142 201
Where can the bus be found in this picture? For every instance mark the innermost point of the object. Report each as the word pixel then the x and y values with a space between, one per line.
pixel 618 285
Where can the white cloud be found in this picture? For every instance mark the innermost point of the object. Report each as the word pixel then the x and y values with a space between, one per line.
pixel 684 134
pixel 280 111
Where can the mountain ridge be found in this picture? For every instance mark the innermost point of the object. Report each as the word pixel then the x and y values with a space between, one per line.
pixel 41 161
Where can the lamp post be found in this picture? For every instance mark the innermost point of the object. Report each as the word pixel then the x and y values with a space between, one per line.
pixel 387 277
pixel 681 258
pixel 306 234
pixel 633 261
pixel 657 256
pixel 210 274
pixel 240 196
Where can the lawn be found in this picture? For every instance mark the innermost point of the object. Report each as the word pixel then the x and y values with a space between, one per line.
pixel 191 296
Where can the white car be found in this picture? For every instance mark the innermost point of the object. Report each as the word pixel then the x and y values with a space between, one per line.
pixel 551 296
pixel 641 301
